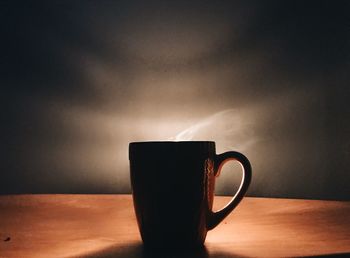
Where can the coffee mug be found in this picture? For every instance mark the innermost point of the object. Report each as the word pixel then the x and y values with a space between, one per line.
pixel 173 190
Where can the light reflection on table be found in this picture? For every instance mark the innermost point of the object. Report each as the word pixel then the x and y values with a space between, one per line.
pixel 104 226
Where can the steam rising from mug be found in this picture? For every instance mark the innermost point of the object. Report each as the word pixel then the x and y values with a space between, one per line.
pixel 229 128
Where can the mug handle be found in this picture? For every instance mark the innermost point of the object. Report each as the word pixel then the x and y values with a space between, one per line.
pixel 216 217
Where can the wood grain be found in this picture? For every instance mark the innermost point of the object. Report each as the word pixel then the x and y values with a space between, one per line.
pixel 44 226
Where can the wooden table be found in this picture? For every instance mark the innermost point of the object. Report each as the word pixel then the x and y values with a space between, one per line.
pixel 44 226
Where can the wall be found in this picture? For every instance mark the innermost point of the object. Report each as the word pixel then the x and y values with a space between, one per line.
pixel 82 80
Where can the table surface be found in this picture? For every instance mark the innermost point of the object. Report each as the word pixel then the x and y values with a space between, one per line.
pixel 105 226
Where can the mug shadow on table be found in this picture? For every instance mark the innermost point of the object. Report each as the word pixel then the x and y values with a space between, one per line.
pixel 332 255
pixel 137 250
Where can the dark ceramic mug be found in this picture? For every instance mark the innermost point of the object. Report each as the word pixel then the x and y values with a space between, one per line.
pixel 173 190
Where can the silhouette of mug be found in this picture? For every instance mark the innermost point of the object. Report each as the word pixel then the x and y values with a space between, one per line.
pixel 173 190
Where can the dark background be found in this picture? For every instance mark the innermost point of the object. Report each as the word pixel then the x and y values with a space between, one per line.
pixel 81 79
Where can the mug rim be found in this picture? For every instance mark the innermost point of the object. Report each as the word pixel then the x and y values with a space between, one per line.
pixel 149 148
pixel 170 142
